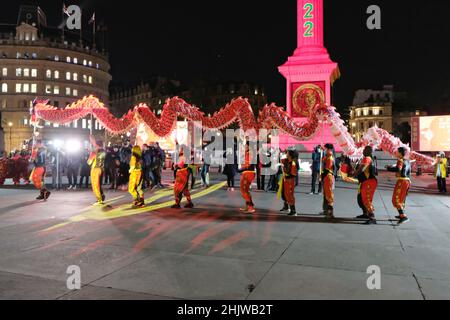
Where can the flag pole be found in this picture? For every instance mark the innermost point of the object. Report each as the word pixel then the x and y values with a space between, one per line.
pixel 63 20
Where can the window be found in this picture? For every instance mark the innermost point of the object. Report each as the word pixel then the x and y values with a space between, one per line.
pixel 68 59
pixel 90 63
pixel 68 91
pixel 75 92
pixel 48 74
pixel 25 121
pixel 26 88
pixel 68 75
pixel 75 124
pixel 4 104
pixel 84 62
pixel 26 72
pixel 33 88
pixel 4 87
pixel 18 87
pixel 18 72
pixel 56 74
pixel 90 79
pixel 84 78
pixel 34 55
pixel 56 90
pixel 56 58
pixel 34 73
pixel 18 55
pixel 381 112
pixel 75 77
pixel 5 72
pixel 56 104
pixel 83 124
pixel 48 89
pixel 97 65
pixel 75 60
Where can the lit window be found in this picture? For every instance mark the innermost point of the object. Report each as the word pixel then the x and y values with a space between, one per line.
pixel 56 125
pixel 18 72
pixel 26 88
pixel 56 58
pixel 90 79
pixel 68 60
pixel 84 78
pixel 75 60
pixel 83 124
pixel 27 36
pixel 56 74
pixel 75 123
pixel 68 75
pixel 48 74
pixel 84 62
pixel 18 87
pixel 56 90
pixel 97 65
pixel 68 91
pixel 33 88
pixel 4 87
pixel 75 77
pixel 34 73
pixel 18 55
pixel 75 92
pixel 48 89
pixel 26 72
pixel 25 121
pixel 34 54
pixel 5 72
pixel 90 63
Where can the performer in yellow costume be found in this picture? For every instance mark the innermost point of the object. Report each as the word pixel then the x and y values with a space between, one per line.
pixel 97 163
pixel 136 177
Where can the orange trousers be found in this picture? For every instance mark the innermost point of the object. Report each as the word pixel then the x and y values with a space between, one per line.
pixel 328 193
pixel 366 191
pixel 181 186
pixel 400 193
pixel 96 181
pixel 37 176
pixel 247 178
pixel 288 191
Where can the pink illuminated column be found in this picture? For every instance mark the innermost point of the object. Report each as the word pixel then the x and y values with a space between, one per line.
pixel 310 27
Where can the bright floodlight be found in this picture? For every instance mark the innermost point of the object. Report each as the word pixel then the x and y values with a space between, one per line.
pixel 58 143
pixel 73 146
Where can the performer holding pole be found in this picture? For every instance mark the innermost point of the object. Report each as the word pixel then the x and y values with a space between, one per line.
pixel 247 177
pixel 403 173
pixel 328 179
pixel 368 183
pixel 181 186
pixel 97 163
pixel 287 184
pixel 38 157
pixel 136 177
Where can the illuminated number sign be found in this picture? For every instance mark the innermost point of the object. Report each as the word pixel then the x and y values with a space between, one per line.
pixel 308 25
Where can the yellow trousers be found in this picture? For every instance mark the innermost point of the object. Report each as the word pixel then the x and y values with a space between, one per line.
pixel 96 181
pixel 135 185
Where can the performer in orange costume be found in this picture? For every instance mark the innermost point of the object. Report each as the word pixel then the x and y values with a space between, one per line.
pixel 327 177
pixel 181 187
pixel 366 174
pixel 97 163
pixel 247 177
pixel 38 174
pixel 136 177
pixel 403 173
pixel 287 185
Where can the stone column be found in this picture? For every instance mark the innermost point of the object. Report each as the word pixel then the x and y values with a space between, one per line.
pixel 310 27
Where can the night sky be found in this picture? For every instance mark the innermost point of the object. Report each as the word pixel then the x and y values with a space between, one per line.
pixel 248 39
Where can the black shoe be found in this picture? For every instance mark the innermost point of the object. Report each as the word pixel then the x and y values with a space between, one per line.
pixel 189 205
pixel 47 195
pixel 176 206
pixel 370 222
pixel 292 212
pixel 285 208
pixel 41 197
pixel 403 220
pixel 397 217
pixel 363 217
pixel 103 197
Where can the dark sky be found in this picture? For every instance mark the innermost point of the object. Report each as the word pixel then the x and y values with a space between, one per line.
pixel 248 39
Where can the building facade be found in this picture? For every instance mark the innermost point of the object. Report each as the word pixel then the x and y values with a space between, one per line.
pixel 385 109
pixel 36 64
pixel 208 96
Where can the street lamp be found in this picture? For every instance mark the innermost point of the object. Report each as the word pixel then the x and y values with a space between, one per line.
pixel 10 125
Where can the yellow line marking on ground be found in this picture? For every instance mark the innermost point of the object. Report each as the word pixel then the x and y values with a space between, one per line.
pixel 119 212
